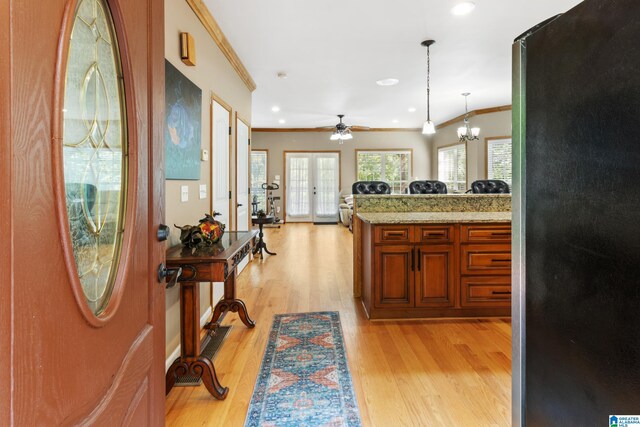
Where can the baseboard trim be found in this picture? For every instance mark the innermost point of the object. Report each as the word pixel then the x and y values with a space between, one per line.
pixel 176 352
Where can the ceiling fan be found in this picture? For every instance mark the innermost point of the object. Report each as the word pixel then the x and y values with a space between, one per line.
pixel 342 132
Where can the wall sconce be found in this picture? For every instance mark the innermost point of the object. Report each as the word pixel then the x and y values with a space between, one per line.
pixel 187 49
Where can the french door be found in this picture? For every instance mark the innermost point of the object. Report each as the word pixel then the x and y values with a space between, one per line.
pixel 82 315
pixel 312 186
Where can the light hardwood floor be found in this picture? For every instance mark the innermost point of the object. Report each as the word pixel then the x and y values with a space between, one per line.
pixel 405 373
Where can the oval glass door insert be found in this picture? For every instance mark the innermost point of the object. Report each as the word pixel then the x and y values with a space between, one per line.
pixel 95 150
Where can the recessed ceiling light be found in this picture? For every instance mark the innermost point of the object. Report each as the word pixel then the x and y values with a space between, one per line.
pixel 282 75
pixel 412 109
pixel 275 108
pixel 281 121
pixel 387 82
pixel 463 8
pixel 395 121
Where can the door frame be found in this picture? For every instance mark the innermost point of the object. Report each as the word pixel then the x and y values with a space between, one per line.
pixel 284 175
pixel 235 156
pixel 223 104
pixel 6 223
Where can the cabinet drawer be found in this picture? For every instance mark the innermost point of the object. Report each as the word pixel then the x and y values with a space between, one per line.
pixel 485 233
pixel 434 234
pixel 485 259
pixel 485 291
pixel 393 234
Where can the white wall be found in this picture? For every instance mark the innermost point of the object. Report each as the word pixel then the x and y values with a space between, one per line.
pixel 491 125
pixel 212 73
pixel 278 142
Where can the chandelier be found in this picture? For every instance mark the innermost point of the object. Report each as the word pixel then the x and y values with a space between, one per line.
pixel 466 132
pixel 428 128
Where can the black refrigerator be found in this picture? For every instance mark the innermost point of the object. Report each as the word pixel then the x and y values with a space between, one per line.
pixel 576 217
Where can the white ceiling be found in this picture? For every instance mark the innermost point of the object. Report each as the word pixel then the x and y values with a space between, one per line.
pixel 334 51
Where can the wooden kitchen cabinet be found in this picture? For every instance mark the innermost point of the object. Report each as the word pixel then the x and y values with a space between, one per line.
pixel 435 276
pixel 436 270
pixel 394 276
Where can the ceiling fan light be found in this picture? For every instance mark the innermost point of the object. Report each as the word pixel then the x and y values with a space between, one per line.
pixel 347 136
pixel 475 131
pixel 334 136
pixel 429 128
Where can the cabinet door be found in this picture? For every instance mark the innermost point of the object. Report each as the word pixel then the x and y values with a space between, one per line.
pixel 394 276
pixel 435 276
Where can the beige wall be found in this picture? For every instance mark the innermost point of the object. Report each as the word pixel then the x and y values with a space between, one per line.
pixel 212 73
pixel 491 125
pixel 278 142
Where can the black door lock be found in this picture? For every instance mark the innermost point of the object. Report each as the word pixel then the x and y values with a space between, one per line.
pixel 164 272
pixel 163 232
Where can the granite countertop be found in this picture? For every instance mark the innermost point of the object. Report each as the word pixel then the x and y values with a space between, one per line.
pixel 428 196
pixel 434 217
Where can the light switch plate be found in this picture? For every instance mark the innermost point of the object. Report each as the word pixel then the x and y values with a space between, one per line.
pixel 184 193
pixel 203 191
pixel 204 155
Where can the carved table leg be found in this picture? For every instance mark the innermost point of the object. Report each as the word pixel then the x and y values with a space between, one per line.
pixel 264 245
pixel 230 303
pixel 190 359
pixel 177 369
pixel 203 367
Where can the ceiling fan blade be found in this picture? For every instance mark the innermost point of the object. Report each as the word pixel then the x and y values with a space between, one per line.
pixel 359 127
pixel 326 127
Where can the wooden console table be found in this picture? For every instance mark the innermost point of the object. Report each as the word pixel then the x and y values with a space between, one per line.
pixel 215 263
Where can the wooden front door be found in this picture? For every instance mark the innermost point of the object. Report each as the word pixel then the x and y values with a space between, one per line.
pixel 81 196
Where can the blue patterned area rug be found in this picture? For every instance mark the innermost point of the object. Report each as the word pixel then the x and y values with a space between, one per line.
pixel 304 380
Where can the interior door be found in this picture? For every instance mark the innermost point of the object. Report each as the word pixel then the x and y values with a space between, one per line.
pixel 243 148
pixel 221 141
pixel 242 174
pixel 82 91
pixel 326 187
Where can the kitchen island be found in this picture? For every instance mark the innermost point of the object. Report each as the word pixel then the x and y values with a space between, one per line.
pixel 422 256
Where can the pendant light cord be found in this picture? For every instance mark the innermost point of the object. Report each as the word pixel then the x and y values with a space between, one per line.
pixel 428 85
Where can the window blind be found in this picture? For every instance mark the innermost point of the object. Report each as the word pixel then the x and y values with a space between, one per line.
pixel 499 162
pixel 452 167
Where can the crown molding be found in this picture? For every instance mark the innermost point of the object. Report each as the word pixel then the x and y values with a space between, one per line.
pixel 204 15
pixel 474 113
pixel 331 129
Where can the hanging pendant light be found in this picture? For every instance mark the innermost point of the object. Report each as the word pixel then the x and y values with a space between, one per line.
pixel 466 132
pixel 429 128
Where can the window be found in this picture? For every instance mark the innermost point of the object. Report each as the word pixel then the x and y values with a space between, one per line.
pixel 452 167
pixel 392 167
pixel 259 177
pixel 499 159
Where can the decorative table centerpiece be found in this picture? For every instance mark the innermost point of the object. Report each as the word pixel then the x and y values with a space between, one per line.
pixel 208 232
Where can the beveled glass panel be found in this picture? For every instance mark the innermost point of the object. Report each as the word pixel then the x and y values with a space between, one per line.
pixel 95 150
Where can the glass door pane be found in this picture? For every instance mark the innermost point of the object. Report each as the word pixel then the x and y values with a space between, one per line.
pixel 298 186
pixel 326 183
pixel 259 177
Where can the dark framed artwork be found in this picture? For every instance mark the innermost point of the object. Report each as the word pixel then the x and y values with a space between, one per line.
pixel 182 136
